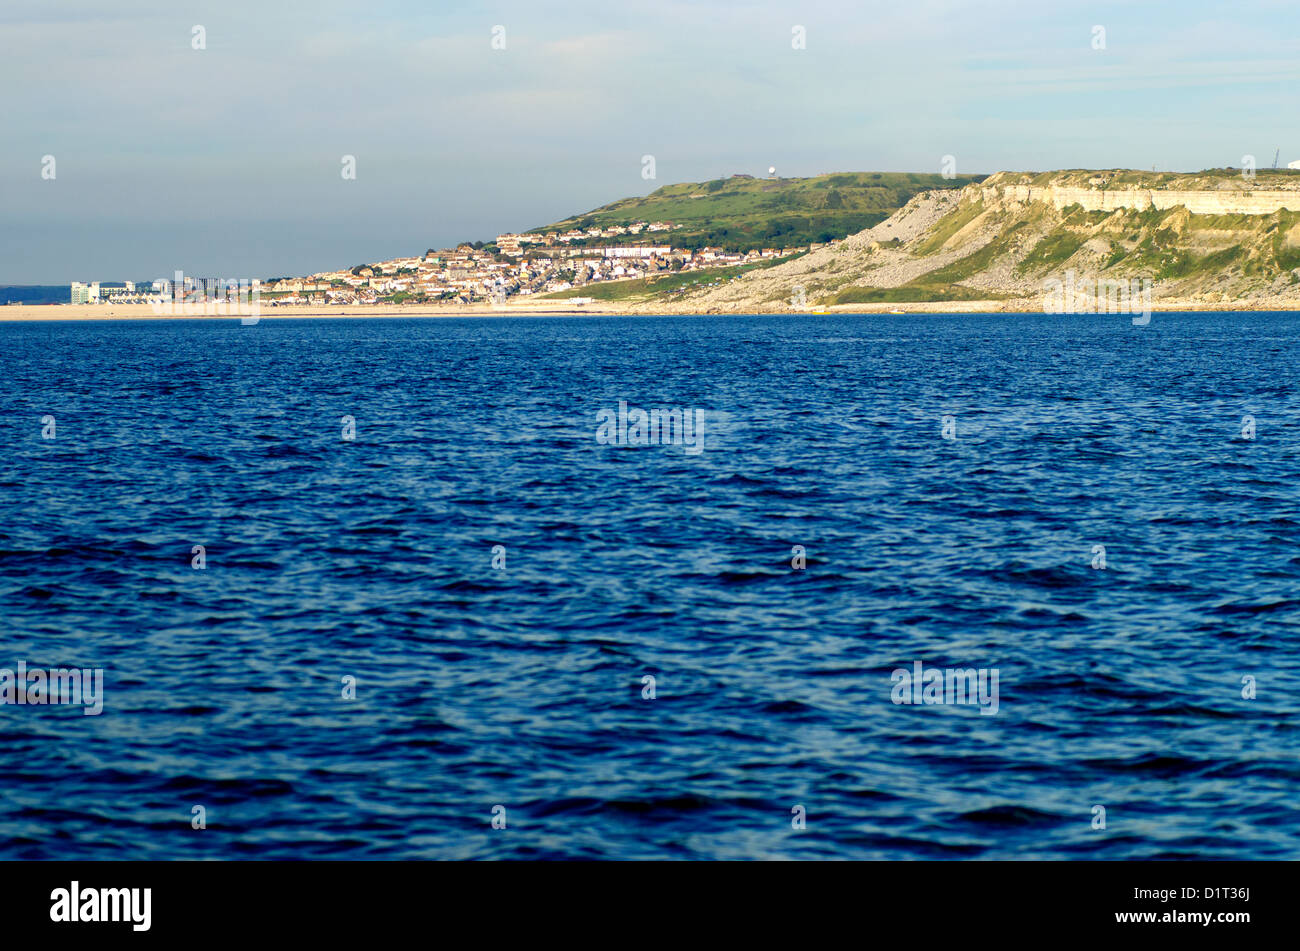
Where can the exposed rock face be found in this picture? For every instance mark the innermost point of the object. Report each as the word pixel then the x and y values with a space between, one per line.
pixel 921 213
pixel 1209 202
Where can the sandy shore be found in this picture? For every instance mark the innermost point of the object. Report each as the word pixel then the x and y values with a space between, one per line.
pixel 29 312
pixel 145 312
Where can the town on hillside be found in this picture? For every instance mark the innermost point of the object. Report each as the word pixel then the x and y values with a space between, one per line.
pixel 514 265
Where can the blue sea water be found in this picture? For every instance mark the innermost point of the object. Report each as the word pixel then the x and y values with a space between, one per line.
pixel 522 687
pixel 35 294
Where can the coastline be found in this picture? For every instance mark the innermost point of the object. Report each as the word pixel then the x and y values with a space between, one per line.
pixel 14 313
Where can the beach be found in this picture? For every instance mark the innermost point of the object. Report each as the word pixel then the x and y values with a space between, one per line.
pixel 560 308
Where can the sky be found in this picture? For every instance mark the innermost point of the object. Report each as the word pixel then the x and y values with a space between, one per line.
pixel 227 160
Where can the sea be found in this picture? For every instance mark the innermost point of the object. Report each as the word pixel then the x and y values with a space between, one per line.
pixel 435 589
pixel 35 294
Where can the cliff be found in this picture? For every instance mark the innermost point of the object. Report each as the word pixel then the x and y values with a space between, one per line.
pixel 1212 237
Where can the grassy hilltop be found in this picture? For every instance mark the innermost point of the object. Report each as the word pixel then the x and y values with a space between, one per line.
pixel 742 213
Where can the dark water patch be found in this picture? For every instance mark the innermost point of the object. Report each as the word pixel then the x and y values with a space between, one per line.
pixel 1009 815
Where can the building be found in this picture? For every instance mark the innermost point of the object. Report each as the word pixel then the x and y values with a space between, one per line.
pixel 80 293
pixel 197 289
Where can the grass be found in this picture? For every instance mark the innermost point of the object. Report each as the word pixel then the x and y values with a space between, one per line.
pixel 914 293
pixel 1222 259
pixel 1053 250
pixel 661 285
pixel 747 213
pixel 1177 181
pixel 1117 253
pixel 1286 254
pixel 950 224
pixel 972 264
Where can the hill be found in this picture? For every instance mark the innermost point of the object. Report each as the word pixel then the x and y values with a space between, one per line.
pixel 743 213
pixel 1202 238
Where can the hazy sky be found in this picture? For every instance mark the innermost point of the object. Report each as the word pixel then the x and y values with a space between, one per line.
pixel 226 161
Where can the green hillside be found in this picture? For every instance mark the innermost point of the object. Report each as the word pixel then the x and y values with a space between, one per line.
pixel 665 286
pixel 742 213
